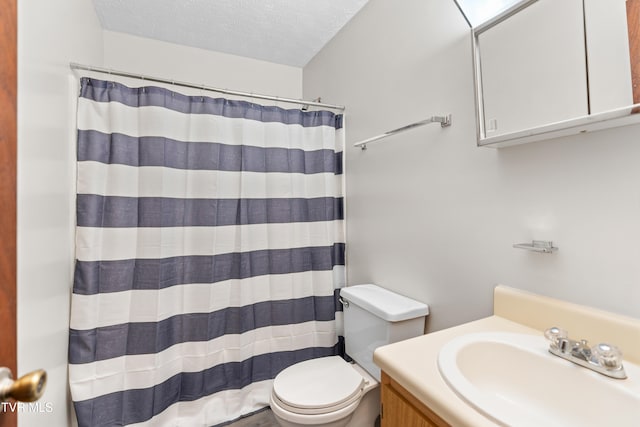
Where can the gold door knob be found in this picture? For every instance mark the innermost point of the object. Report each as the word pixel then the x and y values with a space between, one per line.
pixel 27 388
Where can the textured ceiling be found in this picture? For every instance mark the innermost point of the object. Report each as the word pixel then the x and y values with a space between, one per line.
pixel 286 32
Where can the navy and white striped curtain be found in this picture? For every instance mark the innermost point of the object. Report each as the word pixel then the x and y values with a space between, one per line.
pixel 210 247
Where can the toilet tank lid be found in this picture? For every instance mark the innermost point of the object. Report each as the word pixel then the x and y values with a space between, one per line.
pixel 384 303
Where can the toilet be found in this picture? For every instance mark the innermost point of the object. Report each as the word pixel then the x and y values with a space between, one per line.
pixel 331 392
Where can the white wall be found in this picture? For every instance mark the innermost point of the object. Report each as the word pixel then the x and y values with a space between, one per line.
pixel 432 216
pixel 161 59
pixel 50 35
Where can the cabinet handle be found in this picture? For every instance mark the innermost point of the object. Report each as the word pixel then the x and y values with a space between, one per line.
pixel 27 388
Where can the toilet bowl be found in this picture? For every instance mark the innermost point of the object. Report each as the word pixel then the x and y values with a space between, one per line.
pixel 327 392
pixel 330 392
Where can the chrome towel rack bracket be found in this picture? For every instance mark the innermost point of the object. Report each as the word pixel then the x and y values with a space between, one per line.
pixel 537 246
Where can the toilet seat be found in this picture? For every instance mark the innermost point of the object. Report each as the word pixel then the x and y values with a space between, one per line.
pixel 318 386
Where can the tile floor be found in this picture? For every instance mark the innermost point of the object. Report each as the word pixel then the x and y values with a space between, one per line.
pixel 266 419
pixel 261 419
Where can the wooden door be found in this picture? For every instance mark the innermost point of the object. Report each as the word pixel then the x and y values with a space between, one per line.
pixel 8 136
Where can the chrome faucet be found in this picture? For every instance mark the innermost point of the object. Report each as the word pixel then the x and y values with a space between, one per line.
pixel 603 358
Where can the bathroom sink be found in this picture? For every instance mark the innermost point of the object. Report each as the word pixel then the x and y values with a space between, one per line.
pixel 513 380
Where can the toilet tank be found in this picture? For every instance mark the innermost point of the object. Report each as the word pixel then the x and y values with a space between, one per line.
pixel 373 317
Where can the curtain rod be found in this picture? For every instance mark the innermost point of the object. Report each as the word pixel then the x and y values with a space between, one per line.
pixel 443 120
pixel 305 104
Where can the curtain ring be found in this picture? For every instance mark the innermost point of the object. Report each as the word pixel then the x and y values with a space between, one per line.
pixel 202 94
pixel 144 90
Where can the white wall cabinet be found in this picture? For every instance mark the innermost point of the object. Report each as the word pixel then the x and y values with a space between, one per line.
pixel 552 68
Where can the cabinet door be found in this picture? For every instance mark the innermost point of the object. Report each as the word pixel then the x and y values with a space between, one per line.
pixel 533 67
pixel 397 412
pixel 608 54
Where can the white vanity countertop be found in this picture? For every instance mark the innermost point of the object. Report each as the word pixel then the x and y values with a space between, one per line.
pixel 414 365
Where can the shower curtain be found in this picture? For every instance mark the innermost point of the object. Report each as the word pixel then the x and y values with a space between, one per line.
pixel 209 253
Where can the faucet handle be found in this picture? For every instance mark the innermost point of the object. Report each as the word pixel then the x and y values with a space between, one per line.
pixel 607 355
pixel 555 334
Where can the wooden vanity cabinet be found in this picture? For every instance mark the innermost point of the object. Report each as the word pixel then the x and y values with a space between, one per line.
pixel 401 409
